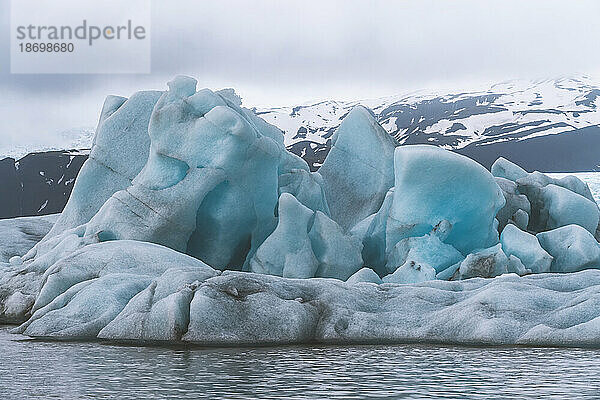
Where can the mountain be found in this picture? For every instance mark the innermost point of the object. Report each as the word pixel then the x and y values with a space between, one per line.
pixel 39 183
pixel 549 125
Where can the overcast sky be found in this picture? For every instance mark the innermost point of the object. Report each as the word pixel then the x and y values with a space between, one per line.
pixel 285 52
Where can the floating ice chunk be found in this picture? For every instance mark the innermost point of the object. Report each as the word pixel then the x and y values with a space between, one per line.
pixel 564 207
pixel 502 168
pixel 428 249
pixel 365 275
pixel 527 248
pixel 411 272
pixel 359 168
pixel 573 248
pixel 432 185
pixel 486 263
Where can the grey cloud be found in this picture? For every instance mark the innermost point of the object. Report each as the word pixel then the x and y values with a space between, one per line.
pixel 281 52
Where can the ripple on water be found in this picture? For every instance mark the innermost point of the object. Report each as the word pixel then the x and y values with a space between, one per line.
pixel 75 370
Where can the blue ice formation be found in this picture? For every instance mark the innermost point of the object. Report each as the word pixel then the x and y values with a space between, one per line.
pixel 572 247
pixel 307 244
pixel 360 165
pixel 433 185
pixel 191 222
pixel 564 207
pixel 526 248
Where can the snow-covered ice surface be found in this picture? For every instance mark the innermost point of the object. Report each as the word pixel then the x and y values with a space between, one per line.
pixel 21 234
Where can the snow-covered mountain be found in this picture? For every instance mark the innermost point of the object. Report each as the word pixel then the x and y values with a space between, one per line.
pixel 551 125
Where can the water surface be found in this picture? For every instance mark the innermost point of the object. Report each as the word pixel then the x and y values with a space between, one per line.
pixel 82 370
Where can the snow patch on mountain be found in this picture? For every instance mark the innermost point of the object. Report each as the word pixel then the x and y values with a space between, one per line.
pixel 512 110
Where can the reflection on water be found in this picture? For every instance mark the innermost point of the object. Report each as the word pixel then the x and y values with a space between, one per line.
pixel 77 370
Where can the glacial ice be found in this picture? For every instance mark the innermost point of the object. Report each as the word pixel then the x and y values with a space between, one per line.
pixel 526 248
pixel 119 151
pixel 306 244
pixel 288 251
pixel 534 186
pixel 434 185
pixel 231 308
pixel 502 168
pixel 565 207
pixel 411 272
pixel 427 249
pixel 365 275
pixel 573 248
pixel 517 207
pixel 19 235
pixel 486 263
pixel 359 168
pixel 192 223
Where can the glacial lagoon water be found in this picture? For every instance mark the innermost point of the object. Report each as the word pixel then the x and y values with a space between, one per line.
pixel 84 370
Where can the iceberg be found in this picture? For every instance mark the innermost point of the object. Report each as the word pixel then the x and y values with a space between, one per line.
pixel 517 207
pixel 19 235
pixel 119 151
pixel 427 249
pixel 192 305
pixel 411 272
pixel 555 198
pixel 192 223
pixel 502 168
pixel 307 244
pixel 486 263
